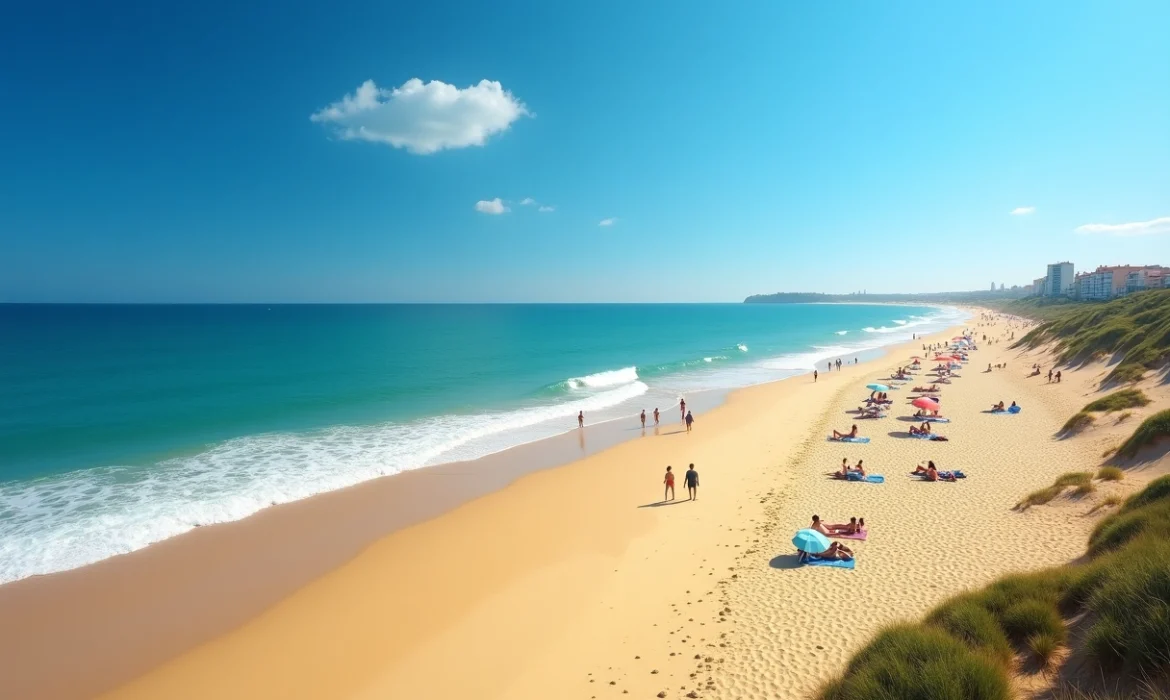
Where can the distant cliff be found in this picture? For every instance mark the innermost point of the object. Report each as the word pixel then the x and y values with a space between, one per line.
pixel 927 298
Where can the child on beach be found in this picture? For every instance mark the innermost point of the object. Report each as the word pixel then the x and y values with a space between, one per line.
pixel 668 492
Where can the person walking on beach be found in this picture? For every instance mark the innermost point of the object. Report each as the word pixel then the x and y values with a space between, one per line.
pixel 668 492
pixel 580 419
pixel 1049 376
pixel 814 376
pixel 689 419
pixel 1058 377
pixel 655 415
pixel 692 481
pixel 830 365
pixel 682 408
pixel 643 419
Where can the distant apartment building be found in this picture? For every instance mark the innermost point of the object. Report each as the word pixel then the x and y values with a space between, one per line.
pixel 1149 277
pixel 1109 281
pixel 1038 286
pixel 1060 280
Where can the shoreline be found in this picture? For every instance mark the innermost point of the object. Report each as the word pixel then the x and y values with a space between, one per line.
pixel 251 564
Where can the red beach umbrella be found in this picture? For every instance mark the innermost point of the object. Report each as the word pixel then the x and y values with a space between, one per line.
pixel 925 403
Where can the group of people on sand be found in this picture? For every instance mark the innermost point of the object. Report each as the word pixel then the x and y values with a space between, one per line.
pixel 999 407
pixel 683 412
pixel 836 550
pixel 924 429
pixel 691 478
pixel 845 469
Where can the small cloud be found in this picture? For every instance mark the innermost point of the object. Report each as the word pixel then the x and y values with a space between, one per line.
pixel 546 208
pixel 527 202
pixel 491 206
pixel 608 222
pixel 1023 211
pixel 1134 228
pixel 423 117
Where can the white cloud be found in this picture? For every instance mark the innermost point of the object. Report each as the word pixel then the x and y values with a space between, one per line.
pixel 1023 211
pixel 491 206
pixel 1134 228
pixel 546 208
pixel 424 117
pixel 608 222
pixel 527 202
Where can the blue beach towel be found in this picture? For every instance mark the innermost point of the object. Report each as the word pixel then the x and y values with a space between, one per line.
pixel 871 478
pixel 922 436
pixel 850 439
pixel 1013 409
pixel 835 563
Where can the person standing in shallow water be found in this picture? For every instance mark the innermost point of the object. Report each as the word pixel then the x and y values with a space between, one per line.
pixel 643 419
pixel 655 415
pixel 682 408
pixel 581 419
pixel 692 481
pixel 668 480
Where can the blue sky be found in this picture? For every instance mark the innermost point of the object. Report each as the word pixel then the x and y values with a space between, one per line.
pixel 168 152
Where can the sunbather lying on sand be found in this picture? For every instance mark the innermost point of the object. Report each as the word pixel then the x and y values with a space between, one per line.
pixel 851 434
pixel 924 430
pixel 852 527
pixel 928 389
pixel 835 551
pixel 930 473
pixel 997 407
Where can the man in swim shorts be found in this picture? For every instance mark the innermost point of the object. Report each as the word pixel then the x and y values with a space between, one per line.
pixel 692 482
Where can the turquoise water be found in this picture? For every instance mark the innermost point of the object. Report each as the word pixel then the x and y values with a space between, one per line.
pixel 124 425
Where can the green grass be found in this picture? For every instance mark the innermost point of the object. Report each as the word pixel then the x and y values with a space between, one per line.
pixel 1110 474
pixel 1085 489
pixel 1135 328
pixel 1083 481
pixel 1152 429
pixel 965 647
pixel 1074 479
pixel 916 661
pixel 1078 423
pixel 1040 497
pixel 1044 648
pixel 1117 401
pixel 1107 502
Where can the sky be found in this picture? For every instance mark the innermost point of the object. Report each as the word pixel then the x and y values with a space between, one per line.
pixel 565 152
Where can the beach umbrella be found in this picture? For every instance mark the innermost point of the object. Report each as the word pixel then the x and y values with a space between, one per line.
pixel 810 541
pixel 925 403
pixel 877 387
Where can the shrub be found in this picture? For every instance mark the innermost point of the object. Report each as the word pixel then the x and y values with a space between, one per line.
pixel 1044 648
pixel 1131 610
pixel 967 620
pixel 1079 423
pixel 915 661
pixel 1149 432
pixel 1029 618
pixel 1118 400
pixel 1110 474
pixel 1074 479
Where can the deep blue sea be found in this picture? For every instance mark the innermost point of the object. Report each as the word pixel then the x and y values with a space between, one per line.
pixel 124 425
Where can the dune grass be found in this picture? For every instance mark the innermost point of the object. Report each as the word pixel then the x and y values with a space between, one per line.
pixel 1079 423
pixel 1110 474
pixel 1107 502
pixel 965 647
pixel 1118 401
pixel 1151 430
pixel 915 661
pixel 1082 481
pixel 1135 329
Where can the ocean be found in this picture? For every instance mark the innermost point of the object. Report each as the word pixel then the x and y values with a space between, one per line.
pixel 125 425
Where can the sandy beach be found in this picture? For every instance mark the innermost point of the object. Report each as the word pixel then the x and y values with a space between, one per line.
pixel 578 581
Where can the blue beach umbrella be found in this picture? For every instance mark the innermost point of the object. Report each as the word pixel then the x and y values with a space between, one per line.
pixel 877 387
pixel 810 541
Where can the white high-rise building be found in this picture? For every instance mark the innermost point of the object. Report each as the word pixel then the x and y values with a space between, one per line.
pixel 1060 279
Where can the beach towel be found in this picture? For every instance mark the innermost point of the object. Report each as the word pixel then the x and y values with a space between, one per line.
pixel 871 478
pixel 855 536
pixel 835 563
pixel 1013 409
pixel 942 475
pixel 861 440
pixel 935 419
pixel 927 436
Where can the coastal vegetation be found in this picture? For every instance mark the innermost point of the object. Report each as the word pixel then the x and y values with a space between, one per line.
pixel 1151 430
pixel 1081 482
pixel 1133 330
pixel 1113 611
pixel 1078 423
pixel 1117 401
